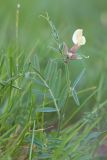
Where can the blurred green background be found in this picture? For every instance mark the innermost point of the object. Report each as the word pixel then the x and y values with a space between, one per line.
pixel 67 15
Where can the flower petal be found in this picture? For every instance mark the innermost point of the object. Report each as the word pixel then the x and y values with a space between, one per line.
pixel 74 49
pixel 78 37
pixel 83 41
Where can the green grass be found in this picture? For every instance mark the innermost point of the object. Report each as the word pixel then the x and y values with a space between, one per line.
pixel 50 109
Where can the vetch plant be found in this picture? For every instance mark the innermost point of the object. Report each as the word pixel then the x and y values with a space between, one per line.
pixel 37 113
pixel 68 54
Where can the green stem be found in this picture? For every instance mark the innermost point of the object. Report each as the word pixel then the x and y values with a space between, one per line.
pixel 31 147
pixel 67 78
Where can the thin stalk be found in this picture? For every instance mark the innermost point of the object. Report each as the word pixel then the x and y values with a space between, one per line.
pixel 67 78
pixel 17 21
pixel 31 147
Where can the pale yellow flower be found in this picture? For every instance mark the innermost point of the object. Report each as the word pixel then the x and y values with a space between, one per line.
pixel 78 38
